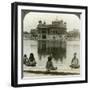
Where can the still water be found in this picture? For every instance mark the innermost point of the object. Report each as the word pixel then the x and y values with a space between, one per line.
pixel 62 54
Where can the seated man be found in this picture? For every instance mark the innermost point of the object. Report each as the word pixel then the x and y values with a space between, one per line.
pixel 75 62
pixel 32 61
pixel 49 64
pixel 25 60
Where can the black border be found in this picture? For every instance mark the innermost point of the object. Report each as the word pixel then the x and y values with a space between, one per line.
pixel 14 43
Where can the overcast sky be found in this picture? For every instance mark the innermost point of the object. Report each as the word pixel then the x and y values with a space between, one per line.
pixel 32 18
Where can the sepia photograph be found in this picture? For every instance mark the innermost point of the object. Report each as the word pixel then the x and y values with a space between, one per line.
pixel 49 44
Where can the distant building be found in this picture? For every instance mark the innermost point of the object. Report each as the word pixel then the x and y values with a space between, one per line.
pixel 54 31
pixel 26 35
pixel 33 34
pixel 73 35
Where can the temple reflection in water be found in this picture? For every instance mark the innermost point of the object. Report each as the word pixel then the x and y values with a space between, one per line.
pixel 55 48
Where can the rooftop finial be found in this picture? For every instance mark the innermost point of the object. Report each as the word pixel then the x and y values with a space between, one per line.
pixel 56 18
pixel 44 23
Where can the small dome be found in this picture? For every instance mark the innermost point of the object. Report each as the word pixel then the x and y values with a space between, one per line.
pixel 40 21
